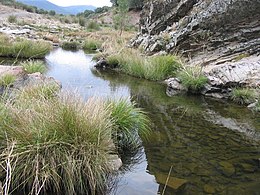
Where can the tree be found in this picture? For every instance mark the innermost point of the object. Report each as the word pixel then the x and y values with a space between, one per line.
pixel 133 4
pixel 121 18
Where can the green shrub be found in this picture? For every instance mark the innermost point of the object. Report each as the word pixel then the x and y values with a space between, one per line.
pixel 12 19
pixel 92 44
pixel 93 26
pixel 70 45
pixel 82 21
pixel 243 95
pixel 192 78
pixel 7 80
pixel 34 66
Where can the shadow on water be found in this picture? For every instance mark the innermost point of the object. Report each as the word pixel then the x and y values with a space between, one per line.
pixel 212 146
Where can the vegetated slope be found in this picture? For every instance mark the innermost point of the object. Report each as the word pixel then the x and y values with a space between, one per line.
pixel 46 5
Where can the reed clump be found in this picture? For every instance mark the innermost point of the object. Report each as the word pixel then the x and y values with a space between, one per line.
pixel 57 142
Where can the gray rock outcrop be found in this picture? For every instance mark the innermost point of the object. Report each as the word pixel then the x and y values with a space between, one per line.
pixel 222 36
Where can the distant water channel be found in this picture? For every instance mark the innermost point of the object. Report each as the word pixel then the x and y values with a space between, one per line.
pixel 198 145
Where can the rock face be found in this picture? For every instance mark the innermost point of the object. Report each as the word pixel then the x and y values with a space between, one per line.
pixel 223 36
pixel 200 28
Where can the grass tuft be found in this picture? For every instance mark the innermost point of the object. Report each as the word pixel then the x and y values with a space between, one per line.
pixel 23 48
pixel 7 80
pixel 243 95
pixel 91 45
pixel 70 45
pixel 33 66
pixel 12 19
pixel 62 144
pixel 192 78
pixel 128 122
pixel 151 68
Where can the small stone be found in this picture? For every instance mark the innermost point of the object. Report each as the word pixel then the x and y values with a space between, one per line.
pixel 209 189
pixel 173 182
pixel 227 168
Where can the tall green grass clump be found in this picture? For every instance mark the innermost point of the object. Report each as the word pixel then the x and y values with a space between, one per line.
pixel 70 45
pixel 30 49
pixel 192 78
pixel 34 66
pixel 12 19
pixel 7 80
pixel 162 67
pixel 60 145
pixel 23 48
pixel 128 123
pixel 152 68
pixel 91 45
pixel 243 95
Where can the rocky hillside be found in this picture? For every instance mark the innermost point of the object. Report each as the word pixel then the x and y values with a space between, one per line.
pixel 221 35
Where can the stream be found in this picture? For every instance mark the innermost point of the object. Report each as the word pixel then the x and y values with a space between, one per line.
pixel 197 145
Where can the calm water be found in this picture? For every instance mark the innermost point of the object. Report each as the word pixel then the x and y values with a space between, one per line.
pixel 198 145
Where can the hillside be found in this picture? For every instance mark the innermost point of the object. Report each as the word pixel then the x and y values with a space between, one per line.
pixel 46 5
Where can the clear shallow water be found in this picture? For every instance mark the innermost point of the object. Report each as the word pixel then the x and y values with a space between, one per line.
pixel 201 146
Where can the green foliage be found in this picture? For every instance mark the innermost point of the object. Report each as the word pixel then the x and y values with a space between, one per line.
pixel 12 19
pixel 82 21
pixel 243 95
pixel 128 122
pixel 93 25
pixel 66 141
pixel 91 44
pixel 30 49
pixel 153 68
pixel 120 18
pixel 23 48
pixel 7 80
pixel 192 78
pixel 70 45
pixel 34 66
pixel 162 67
pixel 52 13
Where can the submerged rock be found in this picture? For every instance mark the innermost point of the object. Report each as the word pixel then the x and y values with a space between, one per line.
pixel 209 189
pixel 227 168
pixel 173 182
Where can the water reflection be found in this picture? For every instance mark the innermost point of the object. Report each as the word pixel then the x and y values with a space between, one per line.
pixel 212 147
pixel 198 145
pixel 73 70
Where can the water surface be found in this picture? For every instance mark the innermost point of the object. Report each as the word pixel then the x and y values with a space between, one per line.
pixel 199 145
